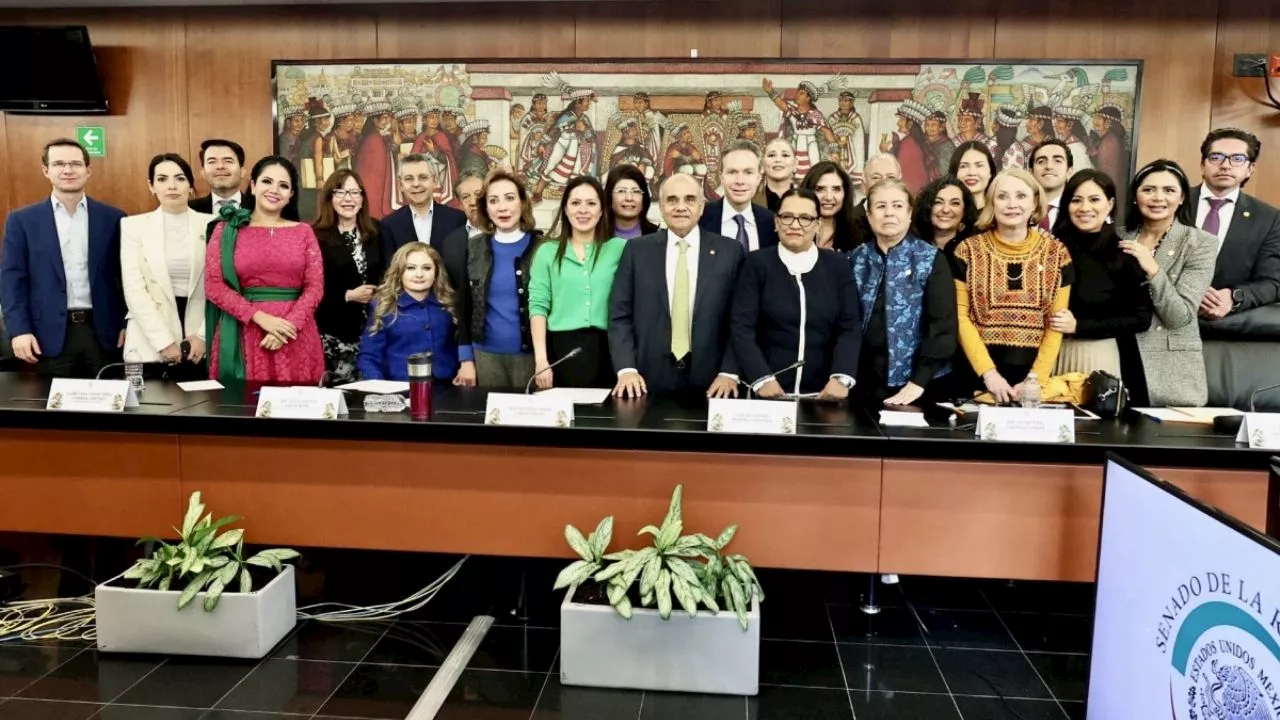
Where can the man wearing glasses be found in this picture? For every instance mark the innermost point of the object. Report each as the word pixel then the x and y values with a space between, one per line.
pixel 60 282
pixel 421 218
pixel 1247 274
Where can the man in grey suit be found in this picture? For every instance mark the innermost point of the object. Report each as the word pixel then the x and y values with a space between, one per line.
pixel 1247 272
pixel 669 308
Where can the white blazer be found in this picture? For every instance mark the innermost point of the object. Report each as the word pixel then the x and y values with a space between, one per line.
pixel 153 322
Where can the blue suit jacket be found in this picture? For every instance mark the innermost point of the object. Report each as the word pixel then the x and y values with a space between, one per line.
pixel 33 283
pixel 713 215
pixel 397 228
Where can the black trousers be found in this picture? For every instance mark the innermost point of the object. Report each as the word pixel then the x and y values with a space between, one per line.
pixel 592 367
pixel 82 355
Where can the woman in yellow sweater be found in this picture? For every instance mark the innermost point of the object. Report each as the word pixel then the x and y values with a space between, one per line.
pixel 1010 278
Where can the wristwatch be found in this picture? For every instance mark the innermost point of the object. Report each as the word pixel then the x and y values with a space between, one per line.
pixel 844 380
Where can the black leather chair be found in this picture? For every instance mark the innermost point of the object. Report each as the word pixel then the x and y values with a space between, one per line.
pixel 1242 355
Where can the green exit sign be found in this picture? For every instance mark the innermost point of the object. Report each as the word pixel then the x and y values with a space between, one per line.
pixel 94 140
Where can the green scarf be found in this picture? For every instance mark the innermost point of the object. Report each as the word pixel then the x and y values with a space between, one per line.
pixel 222 324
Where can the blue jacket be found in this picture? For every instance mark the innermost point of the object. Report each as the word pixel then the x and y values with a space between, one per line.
pixel 415 327
pixel 33 283
pixel 908 267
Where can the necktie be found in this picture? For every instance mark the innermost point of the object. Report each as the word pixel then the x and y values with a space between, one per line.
pixel 681 324
pixel 741 237
pixel 1044 221
pixel 1213 221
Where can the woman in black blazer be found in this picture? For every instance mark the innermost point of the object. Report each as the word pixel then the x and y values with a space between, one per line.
pixel 353 268
pixel 811 312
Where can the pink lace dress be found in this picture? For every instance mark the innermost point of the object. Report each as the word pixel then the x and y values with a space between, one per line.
pixel 287 257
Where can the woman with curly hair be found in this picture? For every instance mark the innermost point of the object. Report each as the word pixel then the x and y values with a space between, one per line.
pixel 412 312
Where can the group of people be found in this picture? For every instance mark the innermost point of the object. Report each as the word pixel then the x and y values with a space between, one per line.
pixel 990 276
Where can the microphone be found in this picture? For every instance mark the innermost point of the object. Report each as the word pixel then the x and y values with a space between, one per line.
pixel 108 367
pixel 792 366
pixel 571 354
pixel 1230 424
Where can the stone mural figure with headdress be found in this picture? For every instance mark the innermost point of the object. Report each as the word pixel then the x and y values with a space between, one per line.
pixel 632 150
pixel 473 157
pixel 851 136
pixel 1008 118
pixel 969 119
pixel 907 144
pixel 938 147
pixel 1039 122
pixel 1068 122
pixel 651 124
pixel 1110 147
pixel 376 159
pixel 804 124
pixel 572 139
pixel 313 145
pixel 295 123
pixel 683 156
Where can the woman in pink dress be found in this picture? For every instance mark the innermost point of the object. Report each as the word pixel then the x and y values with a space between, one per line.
pixel 264 279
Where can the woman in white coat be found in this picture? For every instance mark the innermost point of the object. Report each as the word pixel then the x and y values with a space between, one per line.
pixel 162 266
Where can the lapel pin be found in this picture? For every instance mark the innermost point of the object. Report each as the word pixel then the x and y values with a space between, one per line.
pixel 1246 213
pixel 713 252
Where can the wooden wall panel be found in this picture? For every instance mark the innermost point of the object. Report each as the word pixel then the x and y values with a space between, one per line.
pixel 229 58
pixel 1249 26
pixel 142 60
pixel 1176 39
pixel 898 29
pixel 478 30
pixel 720 28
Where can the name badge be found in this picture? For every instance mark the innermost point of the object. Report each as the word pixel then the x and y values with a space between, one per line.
pixel 1260 431
pixel 301 403
pixel 1026 424
pixel 91 395
pixel 762 417
pixel 528 410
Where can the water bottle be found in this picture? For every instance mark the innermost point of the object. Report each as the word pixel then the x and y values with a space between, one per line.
pixel 419 371
pixel 1031 391
pixel 133 371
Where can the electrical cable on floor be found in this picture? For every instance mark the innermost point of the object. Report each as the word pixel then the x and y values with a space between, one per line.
pixel 386 611
pixel 92 583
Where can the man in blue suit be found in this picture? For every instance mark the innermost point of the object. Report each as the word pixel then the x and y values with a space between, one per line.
pixel 736 217
pixel 60 286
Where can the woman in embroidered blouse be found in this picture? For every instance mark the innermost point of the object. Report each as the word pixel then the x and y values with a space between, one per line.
pixel 834 189
pixel 908 304
pixel 264 279
pixel 569 284
pixel 1178 260
pixel 795 302
pixel 1010 279
pixel 353 266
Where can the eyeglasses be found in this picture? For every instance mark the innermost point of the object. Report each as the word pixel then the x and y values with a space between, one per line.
pixel 1236 160
pixel 74 165
pixel 803 221
pixel 347 193
pixel 628 192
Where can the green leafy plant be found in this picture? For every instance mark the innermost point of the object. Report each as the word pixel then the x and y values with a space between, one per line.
pixel 689 570
pixel 203 558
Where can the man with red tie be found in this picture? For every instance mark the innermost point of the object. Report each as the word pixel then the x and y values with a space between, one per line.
pixel 1050 164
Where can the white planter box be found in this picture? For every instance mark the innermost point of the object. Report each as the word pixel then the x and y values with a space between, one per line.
pixel 244 625
pixel 704 654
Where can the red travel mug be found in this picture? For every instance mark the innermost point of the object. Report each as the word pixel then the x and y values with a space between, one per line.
pixel 419 370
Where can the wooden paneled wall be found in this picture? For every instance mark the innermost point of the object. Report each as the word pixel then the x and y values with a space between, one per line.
pixel 177 76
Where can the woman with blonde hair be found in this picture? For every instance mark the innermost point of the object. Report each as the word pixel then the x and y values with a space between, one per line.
pixel 1010 279
pixel 779 168
pixel 412 312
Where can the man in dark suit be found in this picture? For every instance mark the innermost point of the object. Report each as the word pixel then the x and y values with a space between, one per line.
pixel 669 308
pixel 453 249
pixel 422 219
pixel 881 167
pixel 736 217
pixel 222 164
pixel 1247 274
pixel 60 286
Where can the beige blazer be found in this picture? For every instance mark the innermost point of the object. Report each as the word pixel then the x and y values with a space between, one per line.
pixel 153 323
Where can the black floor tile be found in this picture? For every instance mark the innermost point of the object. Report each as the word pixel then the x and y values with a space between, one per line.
pixel 379 691
pixel 503 648
pixel 789 703
pixel 1041 596
pixel 140 712
pixel 492 693
pixel 47 710
pixel 188 682
pixel 1037 632
pixel 987 672
pixel 874 705
pixel 346 642
pixel 22 665
pixel 891 668
pixel 804 664
pixel 233 715
pixel 891 626
pixel 288 686
pixel 974 708
pixel 939 593
pixel 92 676
pixel 979 629
pixel 681 706
pixel 793 618
pixel 1075 710
pixel 824 587
pixel 1066 675
pixel 565 702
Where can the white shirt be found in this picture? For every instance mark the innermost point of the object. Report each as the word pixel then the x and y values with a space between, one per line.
pixel 235 200
pixel 694 238
pixel 471 229
pixel 73 238
pixel 1225 213
pixel 729 226
pixel 177 252
pixel 1053 211
pixel 422 223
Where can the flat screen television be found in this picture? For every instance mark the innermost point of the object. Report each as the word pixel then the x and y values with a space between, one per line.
pixel 1187 616
pixel 49 69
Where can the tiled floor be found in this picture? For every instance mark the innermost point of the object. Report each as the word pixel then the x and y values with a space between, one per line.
pixel 940 649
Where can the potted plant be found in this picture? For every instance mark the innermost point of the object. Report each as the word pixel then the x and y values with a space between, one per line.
pixel 618 625
pixel 146 609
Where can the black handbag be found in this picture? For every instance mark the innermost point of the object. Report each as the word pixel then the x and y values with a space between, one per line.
pixel 1104 394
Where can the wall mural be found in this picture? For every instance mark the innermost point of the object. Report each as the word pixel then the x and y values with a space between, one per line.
pixel 551 120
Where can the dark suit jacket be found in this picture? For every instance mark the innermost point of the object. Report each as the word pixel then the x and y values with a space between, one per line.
pixel 33 283
pixel 713 215
pixel 640 311
pixel 335 316
pixel 453 249
pixel 1249 260
pixel 205 205
pixel 397 228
